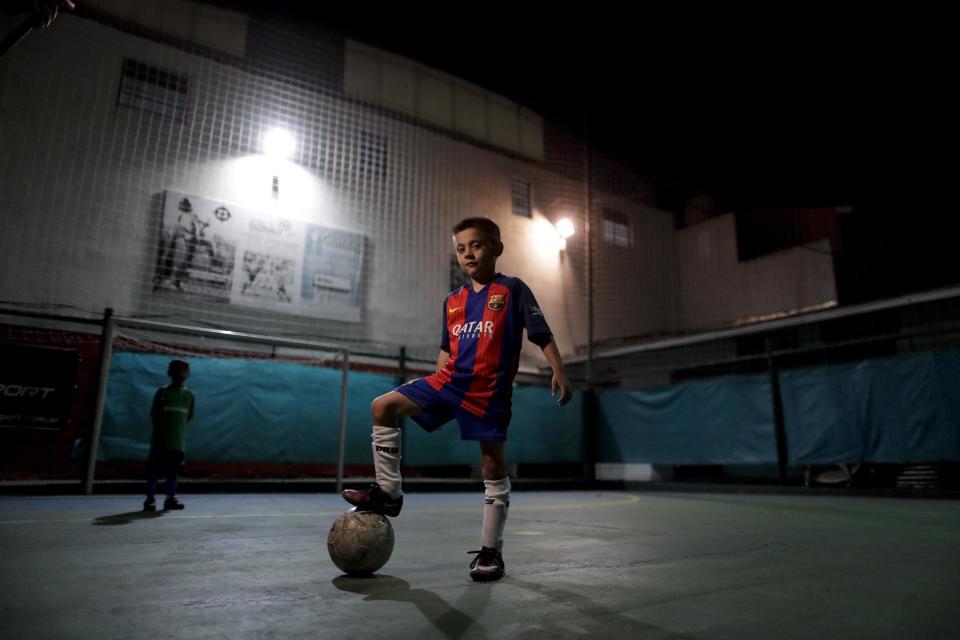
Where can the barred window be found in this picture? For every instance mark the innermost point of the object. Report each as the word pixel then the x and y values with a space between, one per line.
pixel 616 229
pixel 373 155
pixel 153 90
pixel 520 198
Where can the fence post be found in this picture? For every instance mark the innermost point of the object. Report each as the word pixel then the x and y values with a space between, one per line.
pixel 106 352
pixel 343 419
pixel 779 428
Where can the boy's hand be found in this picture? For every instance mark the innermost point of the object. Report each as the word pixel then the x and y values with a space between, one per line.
pixel 559 383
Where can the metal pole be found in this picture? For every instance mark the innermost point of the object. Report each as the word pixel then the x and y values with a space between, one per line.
pixel 343 419
pixel 588 230
pixel 402 366
pixel 106 351
pixel 591 430
pixel 401 378
pixel 779 429
pixel 233 336
pixel 802 320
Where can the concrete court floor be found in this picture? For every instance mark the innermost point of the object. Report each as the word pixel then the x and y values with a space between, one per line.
pixel 580 564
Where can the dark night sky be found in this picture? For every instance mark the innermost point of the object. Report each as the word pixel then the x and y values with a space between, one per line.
pixel 753 108
pixel 762 108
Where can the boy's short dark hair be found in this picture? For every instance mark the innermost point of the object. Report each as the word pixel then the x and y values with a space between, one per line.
pixel 486 226
pixel 177 365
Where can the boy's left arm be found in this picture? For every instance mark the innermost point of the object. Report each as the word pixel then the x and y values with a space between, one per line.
pixel 539 333
pixel 559 381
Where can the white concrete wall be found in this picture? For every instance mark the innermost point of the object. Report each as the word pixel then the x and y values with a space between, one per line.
pixel 206 25
pixel 635 288
pixel 719 291
pixel 81 179
pixel 382 78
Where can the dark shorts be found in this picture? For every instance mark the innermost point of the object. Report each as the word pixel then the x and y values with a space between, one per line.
pixel 165 461
pixel 436 411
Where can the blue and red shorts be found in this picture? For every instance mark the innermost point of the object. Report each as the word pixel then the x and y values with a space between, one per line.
pixel 436 410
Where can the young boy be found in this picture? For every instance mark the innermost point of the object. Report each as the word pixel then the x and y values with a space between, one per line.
pixel 483 324
pixel 172 409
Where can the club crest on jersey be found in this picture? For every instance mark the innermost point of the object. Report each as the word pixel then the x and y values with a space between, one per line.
pixel 496 301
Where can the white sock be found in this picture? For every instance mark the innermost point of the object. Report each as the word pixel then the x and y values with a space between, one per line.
pixel 386 459
pixel 495 508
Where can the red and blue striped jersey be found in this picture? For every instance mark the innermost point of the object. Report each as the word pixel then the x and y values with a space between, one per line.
pixel 483 333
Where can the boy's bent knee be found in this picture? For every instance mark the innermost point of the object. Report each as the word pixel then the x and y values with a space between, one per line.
pixel 386 409
pixel 380 411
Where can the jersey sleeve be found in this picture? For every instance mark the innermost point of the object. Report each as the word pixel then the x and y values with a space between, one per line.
pixel 193 404
pixel 538 332
pixel 445 335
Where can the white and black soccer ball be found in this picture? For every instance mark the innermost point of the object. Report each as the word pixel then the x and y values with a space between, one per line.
pixel 360 542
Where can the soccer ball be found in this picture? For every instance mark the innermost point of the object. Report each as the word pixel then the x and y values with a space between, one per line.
pixel 360 542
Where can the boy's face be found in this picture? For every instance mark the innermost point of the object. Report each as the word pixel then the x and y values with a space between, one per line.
pixel 179 375
pixel 476 253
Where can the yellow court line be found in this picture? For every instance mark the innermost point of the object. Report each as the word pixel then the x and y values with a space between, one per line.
pixel 135 515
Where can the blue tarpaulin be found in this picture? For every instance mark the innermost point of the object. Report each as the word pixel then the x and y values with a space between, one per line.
pixel 247 410
pixel 898 409
pixel 271 411
pixel 883 410
pixel 720 421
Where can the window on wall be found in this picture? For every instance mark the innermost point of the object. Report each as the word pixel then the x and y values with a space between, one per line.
pixel 520 198
pixel 373 155
pixel 616 229
pixel 147 88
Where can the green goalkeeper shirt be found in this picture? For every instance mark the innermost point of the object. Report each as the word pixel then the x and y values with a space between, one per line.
pixel 172 409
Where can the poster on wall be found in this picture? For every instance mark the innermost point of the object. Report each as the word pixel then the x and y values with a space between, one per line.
pixel 216 252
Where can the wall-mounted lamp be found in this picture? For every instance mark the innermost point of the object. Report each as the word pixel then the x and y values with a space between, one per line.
pixel 565 228
pixel 279 143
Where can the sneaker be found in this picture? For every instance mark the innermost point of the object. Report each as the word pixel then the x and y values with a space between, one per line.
pixel 172 504
pixel 374 499
pixel 150 505
pixel 488 565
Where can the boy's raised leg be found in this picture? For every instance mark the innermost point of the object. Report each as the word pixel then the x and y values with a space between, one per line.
pixel 386 496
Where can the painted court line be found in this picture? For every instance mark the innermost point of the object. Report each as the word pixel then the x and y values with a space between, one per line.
pixel 519 508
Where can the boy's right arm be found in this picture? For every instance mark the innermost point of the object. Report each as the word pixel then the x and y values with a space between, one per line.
pixel 444 339
pixel 559 382
pixel 442 360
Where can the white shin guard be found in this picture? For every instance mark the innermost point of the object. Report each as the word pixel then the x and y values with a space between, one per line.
pixel 386 459
pixel 496 504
